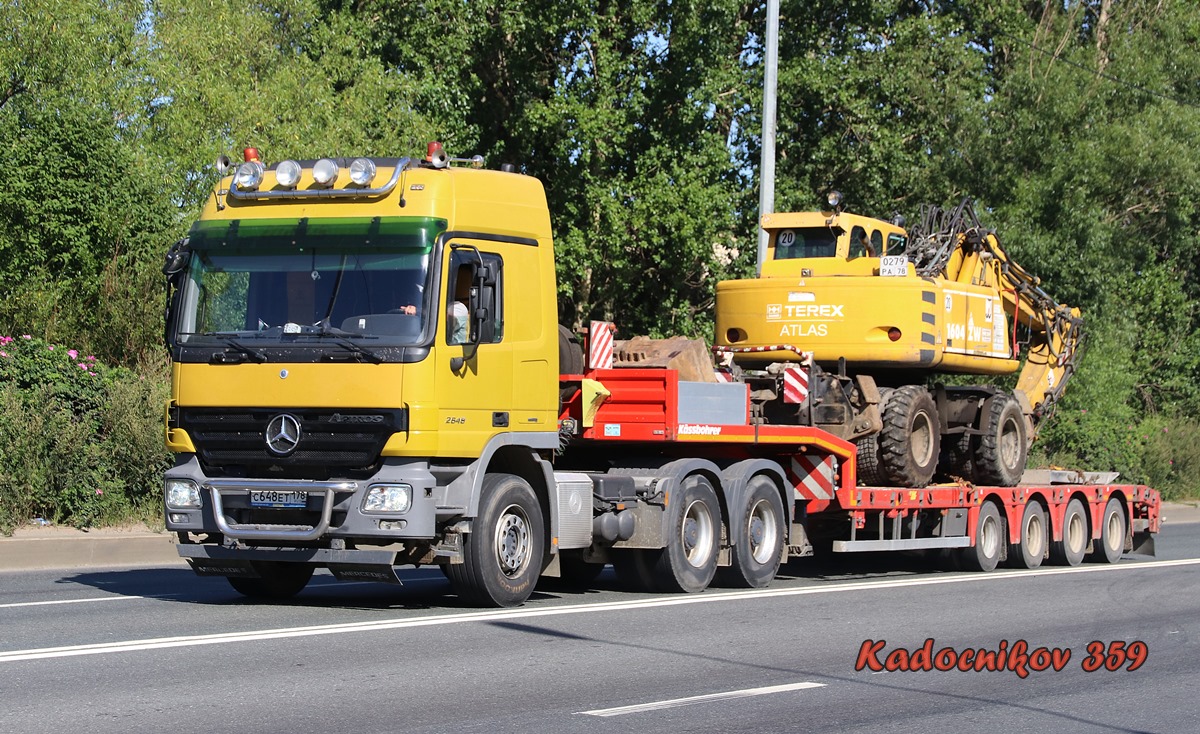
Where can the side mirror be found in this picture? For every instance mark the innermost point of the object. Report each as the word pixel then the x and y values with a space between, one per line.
pixel 177 259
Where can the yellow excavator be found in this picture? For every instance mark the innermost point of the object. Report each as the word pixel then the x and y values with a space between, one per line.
pixel 861 314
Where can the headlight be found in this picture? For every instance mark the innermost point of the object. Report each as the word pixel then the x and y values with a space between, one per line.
pixel 388 498
pixel 287 174
pixel 325 172
pixel 362 171
pixel 249 175
pixel 181 494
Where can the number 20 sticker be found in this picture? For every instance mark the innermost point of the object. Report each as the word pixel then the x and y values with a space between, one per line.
pixel 787 238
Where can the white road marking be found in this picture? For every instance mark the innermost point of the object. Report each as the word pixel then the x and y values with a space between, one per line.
pixel 160 643
pixel 14 605
pixel 675 702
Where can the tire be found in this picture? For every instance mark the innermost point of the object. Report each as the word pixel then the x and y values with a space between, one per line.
pixel 689 562
pixel 910 441
pixel 570 353
pixel 1112 533
pixel 277 580
pixel 954 463
pixel 1071 549
pixel 989 539
pixel 867 467
pixel 504 552
pixel 1003 448
pixel 758 537
pixel 1035 537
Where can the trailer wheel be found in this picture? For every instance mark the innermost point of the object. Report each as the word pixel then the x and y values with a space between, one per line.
pixel 758 540
pixel 1002 449
pixel 910 442
pixel 989 537
pixel 1112 533
pixel 502 555
pixel 689 562
pixel 1034 538
pixel 1070 550
pixel 278 580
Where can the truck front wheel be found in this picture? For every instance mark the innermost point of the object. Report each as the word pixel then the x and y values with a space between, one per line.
pixel 277 581
pixel 502 555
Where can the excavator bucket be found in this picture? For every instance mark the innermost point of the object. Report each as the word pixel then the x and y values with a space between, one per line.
pixel 689 357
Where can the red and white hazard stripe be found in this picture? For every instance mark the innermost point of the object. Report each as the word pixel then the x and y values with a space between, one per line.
pixel 600 345
pixel 795 385
pixel 804 356
pixel 813 477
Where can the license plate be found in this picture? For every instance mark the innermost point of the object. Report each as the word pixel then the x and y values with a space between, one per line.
pixel 276 498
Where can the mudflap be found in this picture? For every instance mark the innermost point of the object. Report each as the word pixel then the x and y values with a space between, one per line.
pixel 223 567
pixel 1143 543
pixel 364 572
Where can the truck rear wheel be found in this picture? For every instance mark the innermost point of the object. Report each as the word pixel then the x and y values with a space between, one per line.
pixel 989 537
pixel 911 438
pixel 1034 536
pixel 277 580
pixel 1112 533
pixel 759 536
pixel 689 562
pixel 502 555
pixel 1003 448
pixel 1071 549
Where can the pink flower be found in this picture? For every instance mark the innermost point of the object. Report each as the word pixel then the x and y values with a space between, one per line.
pixel 72 354
pixel 93 374
pixel 99 491
pixel 3 354
pixel 82 366
pixel 51 347
pixel 26 336
pixel 90 358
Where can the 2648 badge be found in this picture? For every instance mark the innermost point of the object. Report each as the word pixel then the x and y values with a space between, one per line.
pixel 1019 657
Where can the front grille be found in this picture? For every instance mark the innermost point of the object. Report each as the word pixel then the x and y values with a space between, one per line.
pixel 331 441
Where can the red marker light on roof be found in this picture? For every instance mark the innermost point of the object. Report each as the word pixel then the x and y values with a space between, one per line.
pixel 250 154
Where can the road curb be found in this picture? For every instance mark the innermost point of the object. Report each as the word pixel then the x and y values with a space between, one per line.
pixel 38 549
pixel 84 550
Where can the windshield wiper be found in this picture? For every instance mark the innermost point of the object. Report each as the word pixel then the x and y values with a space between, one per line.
pixel 233 343
pixel 339 337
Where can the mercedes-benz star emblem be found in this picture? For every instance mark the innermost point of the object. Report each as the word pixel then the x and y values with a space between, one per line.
pixel 283 434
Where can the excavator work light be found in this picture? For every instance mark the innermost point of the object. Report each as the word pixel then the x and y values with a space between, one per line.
pixel 835 199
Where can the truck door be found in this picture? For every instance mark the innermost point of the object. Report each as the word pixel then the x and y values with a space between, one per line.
pixel 475 377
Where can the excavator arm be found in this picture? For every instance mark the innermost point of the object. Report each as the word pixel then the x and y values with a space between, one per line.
pixel 952 244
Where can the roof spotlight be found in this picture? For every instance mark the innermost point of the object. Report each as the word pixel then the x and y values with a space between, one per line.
pixel 325 172
pixel 834 199
pixel 362 171
pixel 248 176
pixel 287 174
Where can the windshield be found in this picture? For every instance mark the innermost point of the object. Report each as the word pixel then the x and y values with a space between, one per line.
pixel 806 242
pixel 301 280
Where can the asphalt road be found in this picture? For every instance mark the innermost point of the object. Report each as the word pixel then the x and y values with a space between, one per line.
pixel 158 649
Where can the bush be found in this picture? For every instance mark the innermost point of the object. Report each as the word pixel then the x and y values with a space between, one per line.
pixel 81 443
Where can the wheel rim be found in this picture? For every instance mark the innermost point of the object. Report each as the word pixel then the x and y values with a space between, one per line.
pixel 513 543
pixel 1010 445
pixel 1114 532
pixel 989 537
pixel 1076 533
pixel 1035 535
pixel 762 531
pixel 697 534
pixel 921 439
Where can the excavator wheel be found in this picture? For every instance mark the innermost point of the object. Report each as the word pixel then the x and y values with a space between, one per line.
pixel 1003 449
pixel 910 442
pixel 870 473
